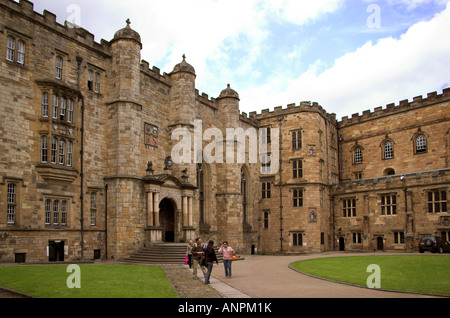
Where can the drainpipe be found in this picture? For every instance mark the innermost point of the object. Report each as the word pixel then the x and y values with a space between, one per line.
pixel 280 121
pixel 79 61
pixel 106 221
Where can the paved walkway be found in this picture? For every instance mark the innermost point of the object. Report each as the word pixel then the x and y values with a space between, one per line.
pixel 271 277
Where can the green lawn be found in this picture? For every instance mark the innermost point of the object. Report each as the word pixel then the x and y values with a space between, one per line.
pixel 413 273
pixel 97 281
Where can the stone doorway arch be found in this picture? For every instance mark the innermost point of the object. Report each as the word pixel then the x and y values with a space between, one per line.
pixel 167 216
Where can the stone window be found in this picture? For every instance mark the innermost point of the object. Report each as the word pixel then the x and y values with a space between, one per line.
pixel 266 164
pixel 93 211
pixel 349 207
pixel 266 135
pixel 11 203
pixel 61 151
pixel 10 48
pixel 21 52
pixel 55 106
pixel 44 149
pixel 97 83
pixel 53 154
pixel 266 219
pixel 357 237
pixel 62 108
pixel 296 140
pixel 56 212
pixel 399 237
pixel 297 197
pixel 266 190
pixel 420 144
pixel 59 67
pixel 45 105
pixel 388 204
pixel 358 156
pixel 297 239
pixel 14 46
pixel 90 80
pixel 61 148
pixel 437 201
pixel 388 150
pixel 93 83
pixel 69 154
pixel 70 110
pixel 48 211
pixel 297 168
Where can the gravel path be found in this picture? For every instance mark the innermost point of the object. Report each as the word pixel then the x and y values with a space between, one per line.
pixel 186 286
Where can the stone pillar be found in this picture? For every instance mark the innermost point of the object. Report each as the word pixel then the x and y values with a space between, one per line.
pixel 190 212
pixel 150 220
pixel 156 209
pixel 185 211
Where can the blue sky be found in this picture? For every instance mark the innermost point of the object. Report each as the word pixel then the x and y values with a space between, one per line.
pixel 347 55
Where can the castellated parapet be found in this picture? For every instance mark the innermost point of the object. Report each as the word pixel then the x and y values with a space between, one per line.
pixel 305 106
pixel 25 9
pixel 392 109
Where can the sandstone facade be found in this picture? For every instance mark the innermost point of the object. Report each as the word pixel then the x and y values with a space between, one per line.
pixel 87 170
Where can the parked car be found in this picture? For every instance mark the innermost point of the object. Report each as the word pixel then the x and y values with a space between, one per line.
pixel 434 244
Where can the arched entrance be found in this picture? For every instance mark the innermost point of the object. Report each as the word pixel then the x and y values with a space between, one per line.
pixel 167 220
pixel 341 244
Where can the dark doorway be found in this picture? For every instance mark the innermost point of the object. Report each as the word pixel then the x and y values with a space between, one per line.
pixel 380 246
pixel 341 244
pixel 56 251
pixel 167 220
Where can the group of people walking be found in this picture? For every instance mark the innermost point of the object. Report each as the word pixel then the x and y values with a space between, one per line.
pixel 204 256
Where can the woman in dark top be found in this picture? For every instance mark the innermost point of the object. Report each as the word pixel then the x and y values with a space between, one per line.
pixel 210 256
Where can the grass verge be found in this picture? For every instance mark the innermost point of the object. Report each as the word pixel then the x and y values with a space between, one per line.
pixel 428 274
pixel 96 281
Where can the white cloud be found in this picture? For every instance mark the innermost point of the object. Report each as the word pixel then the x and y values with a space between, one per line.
pixel 374 75
pixel 412 4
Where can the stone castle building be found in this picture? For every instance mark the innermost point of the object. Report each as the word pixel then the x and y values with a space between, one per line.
pixel 87 169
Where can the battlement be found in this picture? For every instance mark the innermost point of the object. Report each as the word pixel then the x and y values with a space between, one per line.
pixel 391 109
pixel 155 72
pixel 293 109
pixel 25 9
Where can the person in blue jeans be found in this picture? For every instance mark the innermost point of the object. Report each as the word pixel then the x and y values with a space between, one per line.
pixel 210 258
pixel 227 252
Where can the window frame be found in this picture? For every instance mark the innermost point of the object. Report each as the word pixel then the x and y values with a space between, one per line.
pixel 349 207
pixel 93 208
pixel 358 156
pixel 11 203
pixel 388 204
pixel 59 63
pixel 297 168
pixel 266 188
pixel 441 202
pixel 388 150
pixel 297 239
pixel 10 48
pixel 297 197
pixel 423 146
pixel 297 139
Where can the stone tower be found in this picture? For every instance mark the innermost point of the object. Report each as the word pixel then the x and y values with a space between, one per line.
pixel 230 210
pixel 123 154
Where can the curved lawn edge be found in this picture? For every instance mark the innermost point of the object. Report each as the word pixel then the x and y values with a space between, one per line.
pixel 355 285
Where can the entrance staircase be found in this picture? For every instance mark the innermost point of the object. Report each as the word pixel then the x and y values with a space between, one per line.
pixel 162 253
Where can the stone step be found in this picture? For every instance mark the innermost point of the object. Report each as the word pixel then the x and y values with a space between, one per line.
pixel 162 253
